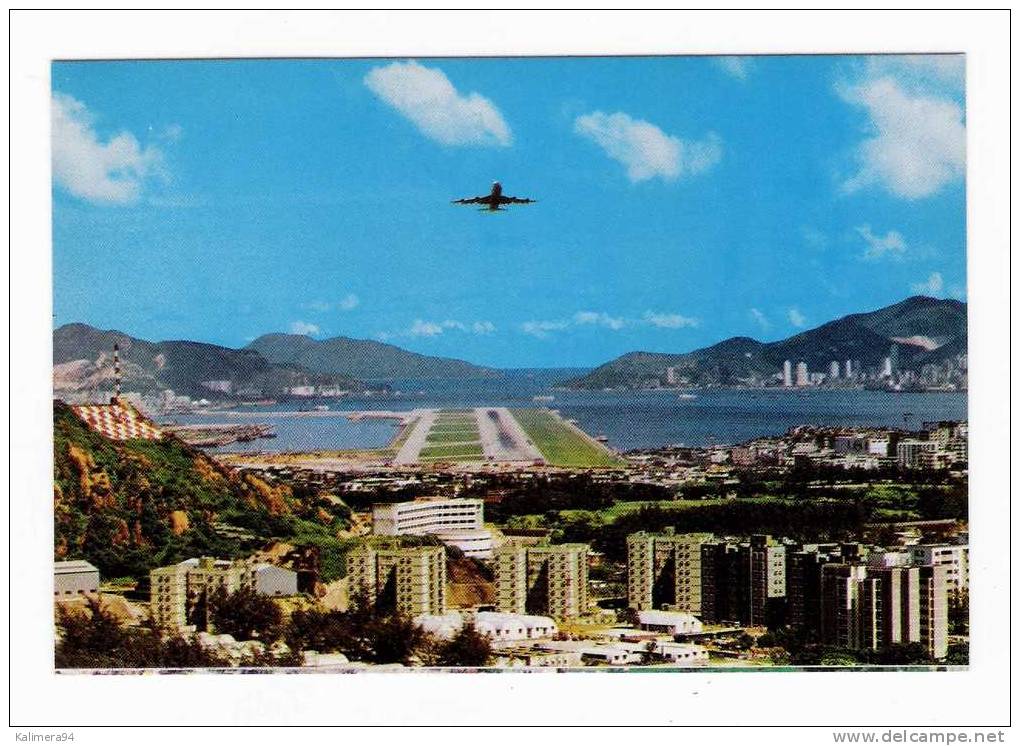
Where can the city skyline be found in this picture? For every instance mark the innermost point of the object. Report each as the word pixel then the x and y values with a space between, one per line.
pixel 797 189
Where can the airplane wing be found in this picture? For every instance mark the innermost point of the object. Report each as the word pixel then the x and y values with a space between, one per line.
pixel 472 200
pixel 515 200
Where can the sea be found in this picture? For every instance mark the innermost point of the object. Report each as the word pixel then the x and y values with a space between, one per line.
pixel 628 419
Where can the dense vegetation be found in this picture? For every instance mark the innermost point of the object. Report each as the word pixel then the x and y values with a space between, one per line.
pixel 130 506
pixel 94 638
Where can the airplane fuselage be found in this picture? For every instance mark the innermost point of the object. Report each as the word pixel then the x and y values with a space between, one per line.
pixel 494 195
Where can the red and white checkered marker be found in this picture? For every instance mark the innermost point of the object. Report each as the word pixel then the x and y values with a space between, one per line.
pixel 118 421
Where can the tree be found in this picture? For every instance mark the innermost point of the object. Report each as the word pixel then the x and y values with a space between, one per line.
pixel 958 655
pixel 395 639
pixel 903 654
pixel 93 638
pixel 245 615
pixel 468 647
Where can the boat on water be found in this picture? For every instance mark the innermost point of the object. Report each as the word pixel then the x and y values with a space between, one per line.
pixel 322 408
pixel 543 398
pixel 686 396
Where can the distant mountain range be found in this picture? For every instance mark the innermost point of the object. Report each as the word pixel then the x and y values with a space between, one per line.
pixel 83 362
pixel 361 358
pixel 923 329
pixel 268 367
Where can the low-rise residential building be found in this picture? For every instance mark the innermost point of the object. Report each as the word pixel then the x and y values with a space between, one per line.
pixel 409 580
pixel 522 657
pixel 669 622
pixel 497 626
pixel 74 577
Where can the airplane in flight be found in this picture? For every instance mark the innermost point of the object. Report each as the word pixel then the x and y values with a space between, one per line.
pixel 494 200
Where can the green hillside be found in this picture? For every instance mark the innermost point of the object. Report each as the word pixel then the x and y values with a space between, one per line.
pixel 133 505
pixel 361 358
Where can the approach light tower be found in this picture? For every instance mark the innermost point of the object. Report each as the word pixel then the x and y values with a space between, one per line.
pixel 116 374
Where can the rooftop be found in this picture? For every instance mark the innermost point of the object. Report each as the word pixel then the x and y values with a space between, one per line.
pixel 73 566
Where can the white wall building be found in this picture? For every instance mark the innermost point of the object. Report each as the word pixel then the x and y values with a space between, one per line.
pixel 497 626
pixel 956 558
pixel 458 522
pixel 74 577
pixel 275 581
pixel 671 622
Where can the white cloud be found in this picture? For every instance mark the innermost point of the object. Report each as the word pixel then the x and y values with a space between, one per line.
pixel 737 67
pixel 303 327
pixel 669 320
pixel 918 144
pixel 541 329
pixel 113 172
pixel 348 303
pixel 172 132
pixel 959 292
pixel 604 320
pixel 891 244
pixel 599 319
pixel 427 97
pixel 425 328
pixel 422 328
pixel 922 71
pixel 932 286
pixel 645 149
pixel 796 318
pixel 761 319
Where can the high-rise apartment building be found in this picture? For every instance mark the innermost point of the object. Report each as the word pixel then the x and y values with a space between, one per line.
pixel 179 594
pixel 873 607
pixel 544 579
pixel 743 582
pixel 802 374
pixel 787 373
pixel 664 570
pixel 956 559
pixel 409 580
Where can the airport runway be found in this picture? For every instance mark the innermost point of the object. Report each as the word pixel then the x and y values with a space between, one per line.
pixel 411 449
pixel 502 438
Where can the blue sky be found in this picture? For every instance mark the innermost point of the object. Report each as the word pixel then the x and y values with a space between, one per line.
pixel 681 200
